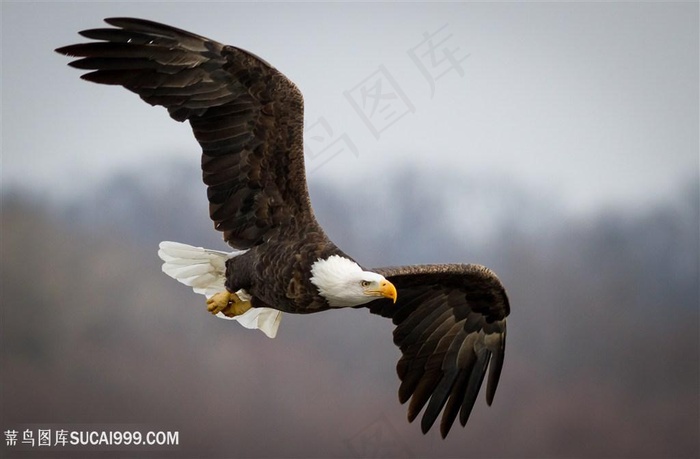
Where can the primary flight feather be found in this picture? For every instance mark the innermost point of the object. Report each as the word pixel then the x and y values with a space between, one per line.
pixel 248 118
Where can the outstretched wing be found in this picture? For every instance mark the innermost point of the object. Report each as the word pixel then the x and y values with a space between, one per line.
pixel 245 114
pixel 450 324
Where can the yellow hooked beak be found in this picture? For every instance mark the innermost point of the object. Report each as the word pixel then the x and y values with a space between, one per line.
pixel 387 290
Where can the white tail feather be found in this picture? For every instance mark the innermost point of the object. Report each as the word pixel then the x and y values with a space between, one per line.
pixel 205 271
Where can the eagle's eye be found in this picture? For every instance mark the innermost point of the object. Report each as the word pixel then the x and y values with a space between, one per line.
pixel 365 283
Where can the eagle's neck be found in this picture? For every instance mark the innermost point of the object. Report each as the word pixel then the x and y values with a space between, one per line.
pixel 335 277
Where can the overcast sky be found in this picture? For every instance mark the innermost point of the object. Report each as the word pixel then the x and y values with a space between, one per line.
pixel 594 103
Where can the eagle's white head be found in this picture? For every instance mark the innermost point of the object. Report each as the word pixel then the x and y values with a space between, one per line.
pixel 344 284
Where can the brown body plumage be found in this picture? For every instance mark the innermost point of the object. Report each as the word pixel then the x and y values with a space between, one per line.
pixel 277 273
pixel 248 119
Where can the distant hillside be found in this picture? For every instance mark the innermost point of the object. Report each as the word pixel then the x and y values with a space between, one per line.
pixel 602 355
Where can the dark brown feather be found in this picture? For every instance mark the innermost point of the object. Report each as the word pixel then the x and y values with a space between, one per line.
pixel 476 378
pixel 450 321
pixel 247 117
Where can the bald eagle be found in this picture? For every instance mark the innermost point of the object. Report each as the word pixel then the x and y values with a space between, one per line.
pixel 248 118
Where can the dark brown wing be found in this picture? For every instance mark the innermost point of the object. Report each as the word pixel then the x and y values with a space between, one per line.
pixel 450 324
pixel 246 115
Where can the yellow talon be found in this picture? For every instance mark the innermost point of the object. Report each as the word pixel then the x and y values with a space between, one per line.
pixel 236 308
pixel 218 302
pixel 227 303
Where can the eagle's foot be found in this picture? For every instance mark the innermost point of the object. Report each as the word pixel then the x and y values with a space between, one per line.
pixel 219 301
pixel 227 303
pixel 236 307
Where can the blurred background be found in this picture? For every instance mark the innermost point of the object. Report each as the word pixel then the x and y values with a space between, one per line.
pixel 555 143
